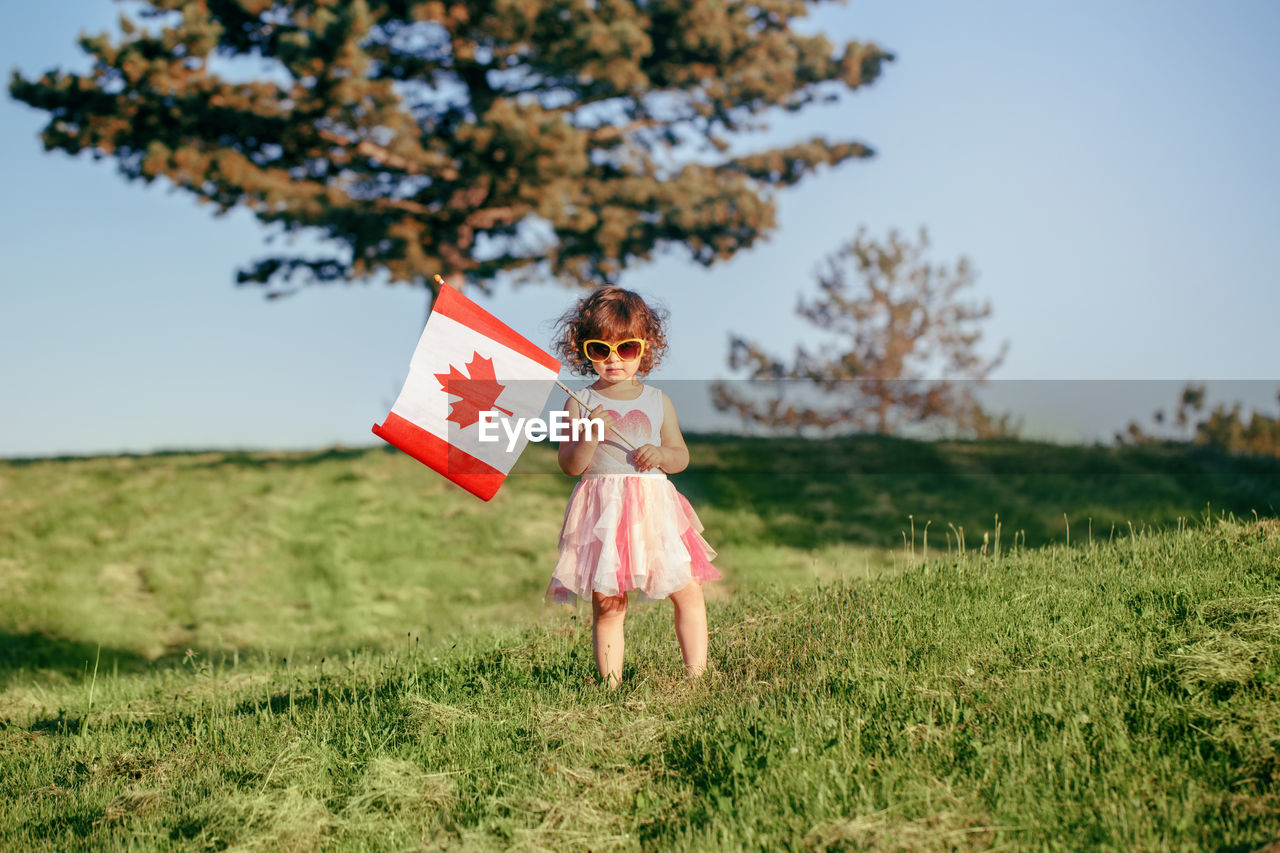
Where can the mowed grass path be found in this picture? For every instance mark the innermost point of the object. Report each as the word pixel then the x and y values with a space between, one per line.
pixel 372 667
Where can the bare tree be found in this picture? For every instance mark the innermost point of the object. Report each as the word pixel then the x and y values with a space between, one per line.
pixel 896 319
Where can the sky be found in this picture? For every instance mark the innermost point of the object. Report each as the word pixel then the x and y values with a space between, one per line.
pixel 1108 168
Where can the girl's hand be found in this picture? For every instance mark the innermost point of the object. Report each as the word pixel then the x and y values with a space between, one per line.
pixel 599 413
pixel 646 457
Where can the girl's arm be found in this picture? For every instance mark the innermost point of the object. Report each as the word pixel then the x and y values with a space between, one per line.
pixel 675 453
pixel 575 456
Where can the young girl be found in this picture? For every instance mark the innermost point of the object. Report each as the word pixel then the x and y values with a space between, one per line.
pixel 626 526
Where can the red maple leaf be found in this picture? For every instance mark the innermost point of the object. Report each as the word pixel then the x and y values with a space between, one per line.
pixel 478 388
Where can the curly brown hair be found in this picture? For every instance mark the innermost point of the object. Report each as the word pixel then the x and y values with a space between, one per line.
pixel 611 314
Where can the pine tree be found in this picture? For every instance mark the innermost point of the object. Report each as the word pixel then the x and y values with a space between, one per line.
pixel 895 319
pixel 475 137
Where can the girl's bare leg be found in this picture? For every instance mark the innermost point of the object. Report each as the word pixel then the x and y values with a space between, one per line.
pixel 608 613
pixel 691 627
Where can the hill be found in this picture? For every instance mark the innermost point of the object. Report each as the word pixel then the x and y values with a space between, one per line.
pixel 339 650
pixel 320 552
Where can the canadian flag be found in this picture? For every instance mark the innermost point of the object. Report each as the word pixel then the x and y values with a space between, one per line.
pixel 467 362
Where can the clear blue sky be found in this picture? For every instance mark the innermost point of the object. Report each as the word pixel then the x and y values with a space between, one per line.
pixel 1109 168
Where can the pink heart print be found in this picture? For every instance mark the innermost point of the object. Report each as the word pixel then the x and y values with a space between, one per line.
pixel 635 427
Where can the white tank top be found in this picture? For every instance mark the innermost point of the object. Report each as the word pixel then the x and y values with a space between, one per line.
pixel 639 420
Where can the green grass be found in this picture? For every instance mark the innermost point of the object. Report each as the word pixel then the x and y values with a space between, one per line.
pixel 372 666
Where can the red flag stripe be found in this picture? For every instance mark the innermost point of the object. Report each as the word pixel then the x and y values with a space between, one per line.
pixel 451 303
pixel 477 477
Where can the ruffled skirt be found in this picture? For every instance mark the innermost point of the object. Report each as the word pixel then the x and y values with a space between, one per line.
pixel 625 532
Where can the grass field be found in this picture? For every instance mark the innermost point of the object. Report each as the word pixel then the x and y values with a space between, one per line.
pixel 338 650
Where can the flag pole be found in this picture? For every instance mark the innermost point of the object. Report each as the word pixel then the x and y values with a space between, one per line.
pixel 586 408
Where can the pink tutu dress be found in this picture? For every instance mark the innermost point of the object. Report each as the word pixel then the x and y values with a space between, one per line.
pixel 626 529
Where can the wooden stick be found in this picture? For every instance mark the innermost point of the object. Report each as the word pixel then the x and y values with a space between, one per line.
pixel 586 408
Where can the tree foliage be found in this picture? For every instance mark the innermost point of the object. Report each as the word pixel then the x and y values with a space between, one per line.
pixel 571 137
pixel 896 320
pixel 1226 428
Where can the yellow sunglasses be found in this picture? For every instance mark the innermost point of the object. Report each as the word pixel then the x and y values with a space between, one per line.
pixel 628 350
